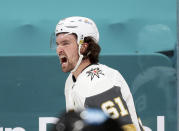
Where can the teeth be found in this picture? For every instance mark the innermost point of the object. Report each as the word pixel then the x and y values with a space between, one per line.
pixel 62 57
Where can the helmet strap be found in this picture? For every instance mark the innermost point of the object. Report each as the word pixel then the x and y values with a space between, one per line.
pixel 79 59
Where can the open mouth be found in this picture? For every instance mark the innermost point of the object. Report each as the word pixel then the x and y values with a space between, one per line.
pixel 63 60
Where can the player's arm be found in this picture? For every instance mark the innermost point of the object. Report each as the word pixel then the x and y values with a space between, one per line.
pixel 112 103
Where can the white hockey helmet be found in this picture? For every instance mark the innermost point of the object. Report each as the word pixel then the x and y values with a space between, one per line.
pixel 81 26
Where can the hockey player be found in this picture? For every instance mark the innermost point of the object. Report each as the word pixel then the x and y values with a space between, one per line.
pixel 91 84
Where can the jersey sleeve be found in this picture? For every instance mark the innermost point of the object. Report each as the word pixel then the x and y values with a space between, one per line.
pixel 111 102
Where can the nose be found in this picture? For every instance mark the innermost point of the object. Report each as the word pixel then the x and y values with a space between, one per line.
pixel 59 50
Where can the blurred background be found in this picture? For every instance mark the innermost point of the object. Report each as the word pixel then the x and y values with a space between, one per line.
pixel 138 38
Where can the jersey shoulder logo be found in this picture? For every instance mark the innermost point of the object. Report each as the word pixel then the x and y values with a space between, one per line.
pixel 94 72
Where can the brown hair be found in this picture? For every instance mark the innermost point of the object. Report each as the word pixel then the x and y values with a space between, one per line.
pixel 93 50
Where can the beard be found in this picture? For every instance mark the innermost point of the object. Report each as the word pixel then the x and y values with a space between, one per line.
pixel 67 66
pixel 68 63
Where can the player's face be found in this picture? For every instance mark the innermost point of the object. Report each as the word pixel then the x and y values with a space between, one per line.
pixel 67 50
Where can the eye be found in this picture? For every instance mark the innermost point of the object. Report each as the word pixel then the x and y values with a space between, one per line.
pixel 65 43
pixel 57 43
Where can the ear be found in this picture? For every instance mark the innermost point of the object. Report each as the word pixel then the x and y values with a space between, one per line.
pixel 83 48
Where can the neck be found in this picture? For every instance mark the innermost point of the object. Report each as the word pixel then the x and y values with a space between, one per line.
pixel 83 65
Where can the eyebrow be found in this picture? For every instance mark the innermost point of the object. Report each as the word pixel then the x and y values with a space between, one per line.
pixel 63 41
